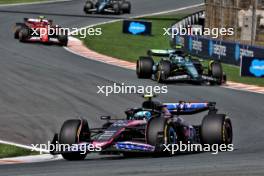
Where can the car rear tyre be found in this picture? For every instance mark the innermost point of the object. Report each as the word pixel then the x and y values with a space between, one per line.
pixel 17 28
pixel 216 129
pixel 144 67
pixel 216 71
pixel 23 34
pixel 117 8
pixel 126 7
pixel 73 132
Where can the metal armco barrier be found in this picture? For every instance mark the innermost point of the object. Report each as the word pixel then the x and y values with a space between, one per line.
pixel 208 48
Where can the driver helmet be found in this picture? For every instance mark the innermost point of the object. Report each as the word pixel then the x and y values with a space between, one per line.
pixel 41 18
pixel 142 115
pixel 179 59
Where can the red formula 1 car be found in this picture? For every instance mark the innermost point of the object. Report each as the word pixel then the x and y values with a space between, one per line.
pixel 145 130
pixel 40 30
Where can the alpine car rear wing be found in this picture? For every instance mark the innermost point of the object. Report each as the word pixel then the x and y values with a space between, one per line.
pixel 189 108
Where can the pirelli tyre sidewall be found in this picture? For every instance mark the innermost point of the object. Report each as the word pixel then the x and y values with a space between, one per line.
pixel 216 129
pixel 216 71
pixel 163 72
pixel 88 6
pixel 63 39
pixel 117 8
pixel 160 131
pixel 72 132
pixel 126 6
pixel 144 67
pixel 24 34
pixel 17 27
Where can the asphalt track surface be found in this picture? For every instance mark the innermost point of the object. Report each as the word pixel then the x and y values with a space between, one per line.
pixel 41 86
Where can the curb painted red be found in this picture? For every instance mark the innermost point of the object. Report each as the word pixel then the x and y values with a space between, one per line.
pixel 244 87
pixel 10 162
pixel 30 159
pixel 77 47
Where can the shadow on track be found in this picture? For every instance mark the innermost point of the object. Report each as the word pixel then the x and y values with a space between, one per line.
pixel 135 156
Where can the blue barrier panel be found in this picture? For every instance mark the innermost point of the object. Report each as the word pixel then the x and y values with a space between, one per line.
pixel 253 67
pixel 208 48
pixel 227 52
pixel 137 27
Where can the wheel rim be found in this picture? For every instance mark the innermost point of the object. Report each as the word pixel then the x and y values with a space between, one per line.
pixel 171 137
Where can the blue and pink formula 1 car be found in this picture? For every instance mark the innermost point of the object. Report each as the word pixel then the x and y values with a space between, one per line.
pixel 146 130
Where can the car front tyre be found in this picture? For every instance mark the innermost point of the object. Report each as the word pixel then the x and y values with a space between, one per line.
pixel 63 39
pixel 88 6
pixel 160 132
pixel 72 131
pixel 144 67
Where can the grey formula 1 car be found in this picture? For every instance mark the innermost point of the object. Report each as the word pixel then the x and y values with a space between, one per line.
pixel 107 6
pixel 175 66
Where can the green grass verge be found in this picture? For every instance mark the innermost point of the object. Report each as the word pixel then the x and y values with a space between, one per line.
pixel 18 1
pixel 128 47
pixel 13 151
pixel 233 75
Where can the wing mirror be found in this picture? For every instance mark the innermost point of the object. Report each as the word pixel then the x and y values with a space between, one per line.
pixel 212 108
